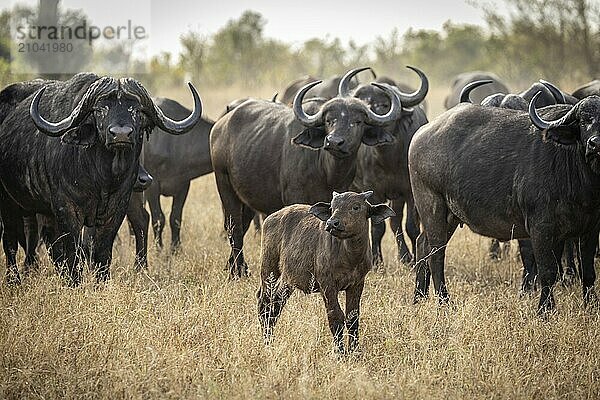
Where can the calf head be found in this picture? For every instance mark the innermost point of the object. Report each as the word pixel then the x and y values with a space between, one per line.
pixel 579 127
pixel 348 213
pixel 342 123
pixel 114 113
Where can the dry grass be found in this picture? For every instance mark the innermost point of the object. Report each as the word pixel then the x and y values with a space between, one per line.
pixel 183 331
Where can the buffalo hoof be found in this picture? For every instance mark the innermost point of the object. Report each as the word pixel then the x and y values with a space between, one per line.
pixel 590 299
pixel 419 297
pixel 237 272
pixel 140 265
pixel 13 279
pixel 546 307
pixel 406 259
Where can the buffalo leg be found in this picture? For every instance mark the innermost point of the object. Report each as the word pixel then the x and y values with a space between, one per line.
pixel 411 225
pixel 139 220
pixel 353 295
pixel 176 214
pixel 529 266
pixel 233 213
pixel 423 274
pixel 335 316
pixel 588 246
pixel 377 232
pixel 494 250
pixel 158 217
pixel 438 232
pixel 271 300
pixel 30 228
pixel 569 257
pixel 404 255
pixel 102 249
pixel 546 254
pixel 10 243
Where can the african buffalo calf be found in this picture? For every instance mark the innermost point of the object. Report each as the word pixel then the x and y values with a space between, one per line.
pixel 324 248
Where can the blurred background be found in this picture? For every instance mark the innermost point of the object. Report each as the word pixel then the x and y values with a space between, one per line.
pixel 233 49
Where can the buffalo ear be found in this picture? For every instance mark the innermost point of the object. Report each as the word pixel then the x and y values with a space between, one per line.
pixel 82 135
pixel 321 210
pixel 378 213
pixel 376 135
pixel 312 138
pixel 563 135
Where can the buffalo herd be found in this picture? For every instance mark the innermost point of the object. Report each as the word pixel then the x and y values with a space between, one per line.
pixel 321 164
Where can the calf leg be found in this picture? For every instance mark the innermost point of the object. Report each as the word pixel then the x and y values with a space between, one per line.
pixel 176 214
pixel 335 316
pixel 139 220
pixel 353 295
pixel 158 217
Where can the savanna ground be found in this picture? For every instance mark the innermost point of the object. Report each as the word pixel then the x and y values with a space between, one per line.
pixel 182 330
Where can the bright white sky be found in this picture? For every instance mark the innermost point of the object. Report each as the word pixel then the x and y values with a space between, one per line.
pixel 290 21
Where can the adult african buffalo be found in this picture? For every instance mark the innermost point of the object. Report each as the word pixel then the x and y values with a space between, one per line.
pixel 547 94
pixel 173 162
pixel 327 90
pixel 384 169
pixel 490 169
pixel 589 89
pixel 268 155
pixel 80 170
pixel 294 87
pixel 478 95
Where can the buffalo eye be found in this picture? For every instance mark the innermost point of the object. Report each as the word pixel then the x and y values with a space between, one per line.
pixel 355 207
pixel 355 123
pixel 330 122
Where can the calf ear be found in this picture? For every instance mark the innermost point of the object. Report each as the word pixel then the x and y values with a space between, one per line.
pixel 563 135
pixel 321 210
pixel 375 136
pixel 312 138
pixel 378 213
pixel 82 135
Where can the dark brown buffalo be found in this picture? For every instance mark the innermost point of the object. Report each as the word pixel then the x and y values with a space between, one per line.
pixel 268 155
pixel 509 174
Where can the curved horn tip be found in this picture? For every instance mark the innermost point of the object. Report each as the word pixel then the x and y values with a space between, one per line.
pixel 556 92
pixel 465 93
pixel 306 120
pixel 343 89
pixel 537 121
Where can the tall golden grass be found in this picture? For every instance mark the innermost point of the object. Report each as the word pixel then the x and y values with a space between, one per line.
pixel 182 330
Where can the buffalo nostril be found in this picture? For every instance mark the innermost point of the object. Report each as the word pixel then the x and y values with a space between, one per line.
pixel 333 141
pixel 120 130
